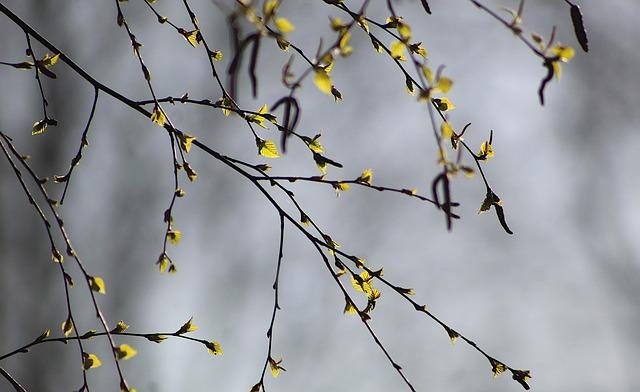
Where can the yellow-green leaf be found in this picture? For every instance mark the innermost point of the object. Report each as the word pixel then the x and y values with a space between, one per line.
pixel 362 21
pixel 258 118
pixel 453 335
pixel 191 173
pixel 404 30
pixel 97 284
pixel 322 81
pixel 444 84
pixel 67 326
pixel 366 177
pixel 163 264
pixel 486 151
pixel 124 351
pixel 565 53
pixel 187 327
pixel 314 145
pixel 446 130
pixel 304 219
pixel 283 44
pixel 43 335
pixel 269 8
pixel 444 104
pixel 49 60
pixel 267 148
pixel 156 338
pixel 39 127
pixel 225 102
pixel 185 141
pixel 557 69
pixel 343 43
pixel 56 256
pixel 331 243
pixel 427 73
pixel 283 25
pixel 337 95
pixel 410 88
pixel 157 116
pixel 120 327
pixel 174 236
pixel 397 50
pixel 341 186
pixel 90 361
pixel 336 23
pixel 275 367
pixel 191 37
pixel 497 367
pixel 214 348
pixel 349 308
pixel 216 55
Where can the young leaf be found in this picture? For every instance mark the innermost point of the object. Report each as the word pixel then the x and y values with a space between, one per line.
pixel 397 50
pixel 187 327
pixel 314 144
pixel 486 151
pixel 341 186
pixel 97 284
pixel 497 367
pixel 565 53
pixel 283 25
pixel 191 37
pixel 453 335
pixel 322 80
pixel 163 263
pixel 39 127
pixel 185 141
pixel 263 114
pixel 124 351
pixel 120 327
pixel 56 256
pixel 521 376
pixel 366 177
pixel 157 116
pixel 444 104
pixel 446 130
pixel 191 173
pixel 444 84
pixel 216 55
pixel 349 308
pixel 67 326
pixel 275 367
pixel 43 335
pixel 174 236
pixel 337 95
pixel 156 338
pixel 214 348
pixel 267 148
pixel 90 361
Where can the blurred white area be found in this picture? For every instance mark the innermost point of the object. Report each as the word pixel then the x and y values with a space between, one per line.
pixel 560 297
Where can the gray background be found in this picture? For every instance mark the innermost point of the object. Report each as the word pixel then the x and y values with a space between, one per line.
pixel 559 297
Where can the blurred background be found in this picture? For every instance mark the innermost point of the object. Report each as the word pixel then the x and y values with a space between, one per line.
pixel 559 297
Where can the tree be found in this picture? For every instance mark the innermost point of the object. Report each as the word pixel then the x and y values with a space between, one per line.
pixel 253 26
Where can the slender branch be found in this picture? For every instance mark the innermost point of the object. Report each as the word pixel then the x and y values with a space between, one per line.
pixel 276 305
pixel 12 381
pixel 56 256
pixel 84 142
